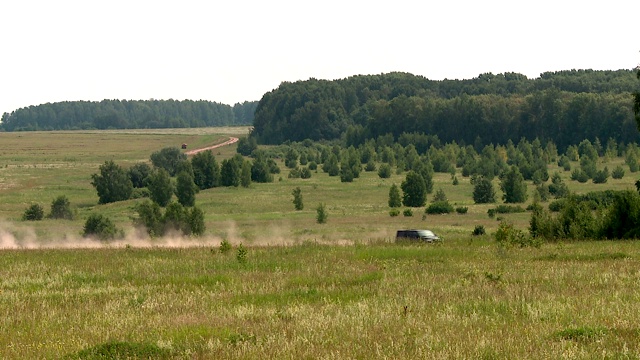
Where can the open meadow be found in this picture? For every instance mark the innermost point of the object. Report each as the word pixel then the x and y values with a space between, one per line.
pixel 295 288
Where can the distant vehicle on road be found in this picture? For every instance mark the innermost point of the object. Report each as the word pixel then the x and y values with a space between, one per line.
pixel 417 235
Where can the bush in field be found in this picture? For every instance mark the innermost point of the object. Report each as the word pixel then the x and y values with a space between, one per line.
pixel 579 175
pixel 478 230
pixel 407 212
pixel 558 188
pixel 440 196
pixel 384 171
pixel 394 212
pixel 439 207
pixel 168 159
pixel 601 176
pixel 188 221
pixel 462 210
pixel 305 173
pixel 112 184
pixel 509 209
pixel 618 172
pixel 61 208
pixel 101 227
pixel 225 246
pixel 34 212
pixel 507 235
pixel 321 214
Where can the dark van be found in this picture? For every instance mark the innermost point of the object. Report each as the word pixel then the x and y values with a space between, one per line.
pixel 417 235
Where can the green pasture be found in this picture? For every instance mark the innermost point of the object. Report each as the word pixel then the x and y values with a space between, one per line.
pixel 303 290
pixel 36 167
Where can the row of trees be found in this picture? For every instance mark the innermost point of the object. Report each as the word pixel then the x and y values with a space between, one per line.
pixel 564 107
pixel 127 114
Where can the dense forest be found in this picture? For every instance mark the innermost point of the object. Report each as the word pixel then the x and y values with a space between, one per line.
pixel 565 107
pixel 127 114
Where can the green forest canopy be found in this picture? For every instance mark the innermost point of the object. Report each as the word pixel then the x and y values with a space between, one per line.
pixel 127 114
pixel 565 107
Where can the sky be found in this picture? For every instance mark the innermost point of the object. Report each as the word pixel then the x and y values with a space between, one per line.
pixel 235 51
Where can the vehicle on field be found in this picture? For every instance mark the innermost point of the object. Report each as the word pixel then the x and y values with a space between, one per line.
pixel 417 235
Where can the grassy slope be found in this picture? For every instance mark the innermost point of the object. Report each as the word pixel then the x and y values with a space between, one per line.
pixel 464 299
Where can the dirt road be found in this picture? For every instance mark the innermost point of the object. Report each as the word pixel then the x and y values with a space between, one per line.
pixel 228 142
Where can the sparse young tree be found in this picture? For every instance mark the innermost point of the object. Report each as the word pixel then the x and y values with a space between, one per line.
pixel 321 214
pixel 245 174
pixel 513 186
pixel 297 199
pixel 395 200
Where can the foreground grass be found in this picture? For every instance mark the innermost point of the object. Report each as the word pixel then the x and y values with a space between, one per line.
pixel 463 299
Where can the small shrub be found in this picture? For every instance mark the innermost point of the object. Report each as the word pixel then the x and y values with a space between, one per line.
pixel 313 166
pixel 384 171
pixel 491 213
pixel 124 350
pixel 34 212
pixel 440 196
pixel 394 212
pixel 295 173
pixel 601 176
pixel 462 210
pixel 241 254
pixel 507 235
pixel 101 227
pixel 439 207
pixel 478 230
pixel 407 212
pixel 509 209
pixel 305 173
pixel 140 193
pixel 321 214
pixel 371 166
pixel 579 175
pixel 61 208
pixel 225 246
pixel 618 172
pixel 455 180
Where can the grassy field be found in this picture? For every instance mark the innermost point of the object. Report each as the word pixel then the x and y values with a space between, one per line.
pixel 302 289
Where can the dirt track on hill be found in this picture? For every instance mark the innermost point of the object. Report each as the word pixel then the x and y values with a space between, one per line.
pixel 228 142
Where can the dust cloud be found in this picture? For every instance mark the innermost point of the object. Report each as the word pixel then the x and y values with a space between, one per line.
pixel 15 236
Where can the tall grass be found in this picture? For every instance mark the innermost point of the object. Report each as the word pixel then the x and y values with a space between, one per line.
pixel 456 300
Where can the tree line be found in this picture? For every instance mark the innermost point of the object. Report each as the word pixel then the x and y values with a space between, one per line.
pixel 563 107
pixel 127 114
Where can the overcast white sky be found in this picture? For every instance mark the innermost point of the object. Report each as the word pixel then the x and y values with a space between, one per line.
pixel 232 51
